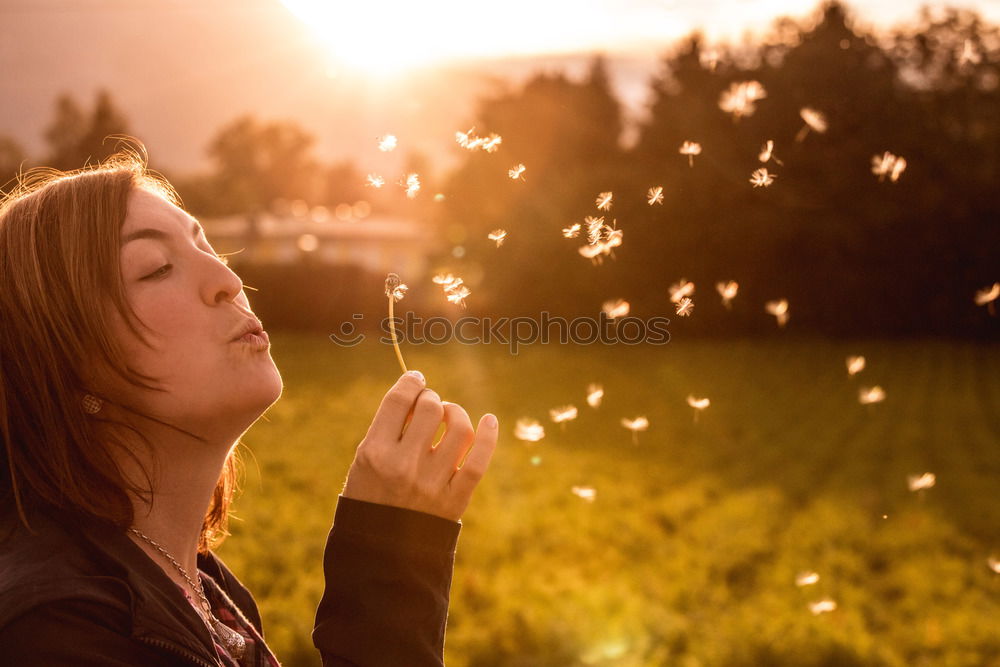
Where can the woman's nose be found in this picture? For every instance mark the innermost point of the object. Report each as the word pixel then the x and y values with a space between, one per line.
pixel 222 285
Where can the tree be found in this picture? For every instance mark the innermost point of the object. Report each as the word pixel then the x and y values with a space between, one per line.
pixel 12 159
pixel 76 138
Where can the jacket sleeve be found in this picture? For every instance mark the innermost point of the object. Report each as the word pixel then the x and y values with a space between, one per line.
pixel 73 633
pixel 388 577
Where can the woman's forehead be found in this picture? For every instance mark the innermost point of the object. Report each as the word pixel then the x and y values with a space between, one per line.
pixel 150 210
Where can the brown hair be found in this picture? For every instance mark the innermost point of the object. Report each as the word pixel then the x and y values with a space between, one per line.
pixel 59 275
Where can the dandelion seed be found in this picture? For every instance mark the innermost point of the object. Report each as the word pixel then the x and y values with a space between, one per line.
pixel 727 291
pixel 394 290
pixel 741 97
pixel 766 151
pixel 445 279
pixel 988 297
pixel 806 578
pixel 655 195
pixel 563 414
pixel 681 289
pixel 698 404
pixel 572 231
pixel 592 251
pixel 855 365
pixel 969 55
pixel 463 138
pixel 821 606
pixel 871 395
pixel 516 172
pixel 491 144
pixel 815 120
pixel 528 430
pixel 587 493
pixel 779 309
pixel 412 185
pixel 387 143
pixel 921 482
pixel 595 394
pixel 614 309
pixel 458 294
pixel 604 201
pixel 497 235
pixel 636 425
pixel 889 165
pixel 684 307
pixel 993 563
pixel 595 228
pixel 761 178
pixel 690 148
pixel 374 181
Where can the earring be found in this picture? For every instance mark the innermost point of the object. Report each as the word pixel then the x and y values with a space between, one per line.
pixel 92 405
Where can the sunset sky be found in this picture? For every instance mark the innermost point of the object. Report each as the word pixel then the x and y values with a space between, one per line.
pixel 181 69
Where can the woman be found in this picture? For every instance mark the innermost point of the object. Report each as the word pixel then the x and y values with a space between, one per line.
pixel 130 366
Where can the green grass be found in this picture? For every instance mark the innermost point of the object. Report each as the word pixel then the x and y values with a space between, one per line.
pixel 689 553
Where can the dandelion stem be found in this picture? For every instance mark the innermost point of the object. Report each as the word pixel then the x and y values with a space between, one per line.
pixel 395 342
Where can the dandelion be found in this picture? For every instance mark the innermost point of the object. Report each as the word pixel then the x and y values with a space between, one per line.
pixel 698 404
pixel 394 290
pixel 595 394
pixel 587 493
pixel 681 289
pixel 921 482
pixel 993 563
pixel 572 231
pixel 690 148
pixel 516 172
pixel 655 195
pixel 741 97
pixel 374 181
pixel 779 309
pixel 604 201
pixel 618 308
pixel 855 365
pixel 761 178
pixel 806 578
pixel 563 414
pixel 767 152
pixel 387 143
pixel 490 145
pixel 528 430
pixel 636 425
pixel 815 120
pixel 988 297
pixel 820 606
pixel 497 235
pixel 684 307
pixel 595 228
pixel 889 165
pixel 871 395
pixel 727 291
pixel 412 185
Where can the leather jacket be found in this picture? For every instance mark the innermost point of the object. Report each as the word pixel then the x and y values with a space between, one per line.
pixel 79 592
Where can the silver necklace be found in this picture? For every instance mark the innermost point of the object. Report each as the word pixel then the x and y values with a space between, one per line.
pixel 233 641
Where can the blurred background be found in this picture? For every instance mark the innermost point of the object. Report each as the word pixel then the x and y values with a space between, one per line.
pixel 817 510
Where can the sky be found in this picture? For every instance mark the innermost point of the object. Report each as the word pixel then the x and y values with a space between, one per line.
pixel 181 69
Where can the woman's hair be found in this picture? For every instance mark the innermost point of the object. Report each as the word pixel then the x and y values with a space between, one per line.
pixel 60 278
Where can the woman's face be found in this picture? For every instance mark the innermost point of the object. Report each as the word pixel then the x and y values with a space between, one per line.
pixel 194 307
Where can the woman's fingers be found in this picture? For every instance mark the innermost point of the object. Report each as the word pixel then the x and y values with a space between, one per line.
pixel 427 415
pixel 455 442
pixel 466 478
pixel 393 412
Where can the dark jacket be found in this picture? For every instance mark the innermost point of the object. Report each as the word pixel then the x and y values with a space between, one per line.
pixel 79 592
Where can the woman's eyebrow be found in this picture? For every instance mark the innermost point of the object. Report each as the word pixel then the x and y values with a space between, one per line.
pixel 158 234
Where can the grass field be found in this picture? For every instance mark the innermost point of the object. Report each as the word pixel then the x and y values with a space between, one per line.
pixel 689 553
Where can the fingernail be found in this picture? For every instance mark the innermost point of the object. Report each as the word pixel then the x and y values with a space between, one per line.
pixel 416 374
pixel 491 421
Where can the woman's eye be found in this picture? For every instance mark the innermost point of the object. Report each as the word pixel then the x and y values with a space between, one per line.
pixel 159 272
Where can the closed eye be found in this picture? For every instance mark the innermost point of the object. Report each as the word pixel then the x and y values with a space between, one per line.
pixel 162 271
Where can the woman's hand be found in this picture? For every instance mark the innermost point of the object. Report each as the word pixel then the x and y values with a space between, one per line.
pixel 407 469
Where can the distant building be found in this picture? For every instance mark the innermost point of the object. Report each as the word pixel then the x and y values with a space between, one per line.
pixel 378 244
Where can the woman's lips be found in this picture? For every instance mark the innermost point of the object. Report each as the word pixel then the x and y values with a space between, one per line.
pixel 256 340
